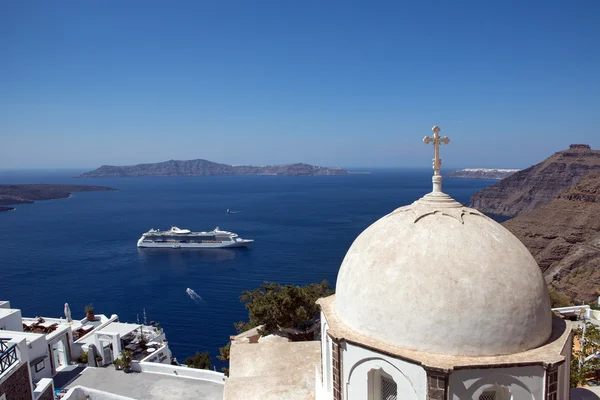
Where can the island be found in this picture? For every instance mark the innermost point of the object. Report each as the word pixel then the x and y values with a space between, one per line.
pixel 482 173
pixel 555 207
pixel 201 167
pixel 30 193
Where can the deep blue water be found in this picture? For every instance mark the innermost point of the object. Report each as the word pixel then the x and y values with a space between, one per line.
pixel 83 249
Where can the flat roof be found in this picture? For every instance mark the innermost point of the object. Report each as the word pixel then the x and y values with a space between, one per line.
pixel 29 336
pixel 121 328
pixel 273 370
pixel 8 311
pixel 147 385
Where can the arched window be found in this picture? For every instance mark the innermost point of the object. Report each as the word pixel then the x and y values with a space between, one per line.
pixel 382 386
pixel 495 393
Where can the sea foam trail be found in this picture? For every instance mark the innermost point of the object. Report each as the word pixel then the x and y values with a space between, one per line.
pixel 193 295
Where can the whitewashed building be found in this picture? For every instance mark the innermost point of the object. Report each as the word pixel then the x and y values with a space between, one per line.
pixel 437 301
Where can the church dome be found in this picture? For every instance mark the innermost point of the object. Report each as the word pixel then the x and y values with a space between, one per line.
pixel 439 277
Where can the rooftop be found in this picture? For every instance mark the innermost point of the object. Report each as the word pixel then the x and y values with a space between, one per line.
pixel 7 311
pixel 147 385
pixel 273 370
pixel 119 327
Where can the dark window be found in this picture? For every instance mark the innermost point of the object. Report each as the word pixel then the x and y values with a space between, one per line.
pixel 39 366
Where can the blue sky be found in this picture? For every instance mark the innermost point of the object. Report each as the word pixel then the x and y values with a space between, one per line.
pixel 85 83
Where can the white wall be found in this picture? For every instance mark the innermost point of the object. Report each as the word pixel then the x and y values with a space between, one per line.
pixel 84 393
pixel 174 370
pixel 324 380
pixel 42 386
pixel 524 383
pixel 162 356
pixel 11 320
pixel 357 362
pixel 564 371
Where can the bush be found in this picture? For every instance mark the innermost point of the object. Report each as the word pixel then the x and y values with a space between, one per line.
pixel 279 307
pixel 199 360
pixel 558 299
pixel 83 358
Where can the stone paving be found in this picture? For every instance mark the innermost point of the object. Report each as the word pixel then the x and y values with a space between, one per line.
pixel 147 386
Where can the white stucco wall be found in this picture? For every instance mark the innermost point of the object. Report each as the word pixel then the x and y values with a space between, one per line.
pixel 11 320
pixel 325 382
pixel 357 362
pixel 84 393
pixel 524 383
pixel 564 371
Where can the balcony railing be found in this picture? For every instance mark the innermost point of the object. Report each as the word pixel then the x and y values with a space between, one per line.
pixel 8 355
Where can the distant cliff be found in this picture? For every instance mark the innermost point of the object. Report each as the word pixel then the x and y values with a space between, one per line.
pixel 564 238
pixel 482 173
pixel 26 194
pixel 208 168
pixel 538 185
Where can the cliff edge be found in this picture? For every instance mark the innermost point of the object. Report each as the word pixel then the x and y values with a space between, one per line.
pixel 538 185
pixel 564 238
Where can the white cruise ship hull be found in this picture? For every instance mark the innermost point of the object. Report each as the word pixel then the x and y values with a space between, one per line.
pixel 167 245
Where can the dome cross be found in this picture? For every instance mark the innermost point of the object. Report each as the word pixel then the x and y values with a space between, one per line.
pixel 437 161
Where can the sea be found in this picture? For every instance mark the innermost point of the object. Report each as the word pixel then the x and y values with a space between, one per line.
pixel 82 250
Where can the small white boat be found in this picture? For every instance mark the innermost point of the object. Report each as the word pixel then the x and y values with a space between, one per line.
pixel 176 238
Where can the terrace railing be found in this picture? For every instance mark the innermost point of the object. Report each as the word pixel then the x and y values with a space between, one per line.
pixel 8 355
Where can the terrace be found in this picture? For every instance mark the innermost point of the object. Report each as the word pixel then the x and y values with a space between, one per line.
pixel 8 355
pixel 140 340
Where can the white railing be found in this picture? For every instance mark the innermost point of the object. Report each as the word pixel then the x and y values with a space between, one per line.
pixel 175 370
pixel 574 310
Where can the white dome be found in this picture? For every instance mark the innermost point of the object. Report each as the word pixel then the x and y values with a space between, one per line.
pixel 439 277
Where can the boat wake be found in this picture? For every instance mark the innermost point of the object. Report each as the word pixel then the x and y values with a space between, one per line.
pixel 232 212
pixel 193 295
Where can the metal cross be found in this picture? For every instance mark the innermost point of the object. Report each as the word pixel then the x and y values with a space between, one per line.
pixel 436 140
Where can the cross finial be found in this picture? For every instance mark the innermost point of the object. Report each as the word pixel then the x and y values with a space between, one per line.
pixel 437 161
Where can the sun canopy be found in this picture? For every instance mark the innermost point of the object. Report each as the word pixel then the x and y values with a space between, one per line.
pixel 119 327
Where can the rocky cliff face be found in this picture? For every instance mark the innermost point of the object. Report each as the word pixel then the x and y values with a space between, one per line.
pixel 564 238
pixel 538 185
pixel 207 168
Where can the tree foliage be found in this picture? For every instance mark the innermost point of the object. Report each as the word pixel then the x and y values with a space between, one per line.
pixel 199 360
pixel 279 307
pixel 588 346
pixel 558 299
pixel 224 356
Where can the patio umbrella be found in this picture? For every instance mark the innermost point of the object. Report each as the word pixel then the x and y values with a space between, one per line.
pixel 68 313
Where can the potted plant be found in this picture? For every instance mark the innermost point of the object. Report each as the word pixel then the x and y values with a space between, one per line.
pixel 89 312
pixel 83 358
pixel 118 363
pixel 126 358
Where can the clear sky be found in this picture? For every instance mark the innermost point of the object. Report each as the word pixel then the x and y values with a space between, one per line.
pixel 335 83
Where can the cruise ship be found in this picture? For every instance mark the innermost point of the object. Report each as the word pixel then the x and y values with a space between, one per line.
pixel 176 238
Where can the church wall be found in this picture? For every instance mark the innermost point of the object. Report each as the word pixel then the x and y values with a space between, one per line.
pixel 411 379
pixel 523 382
pixel 326 380
pixel 564 371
